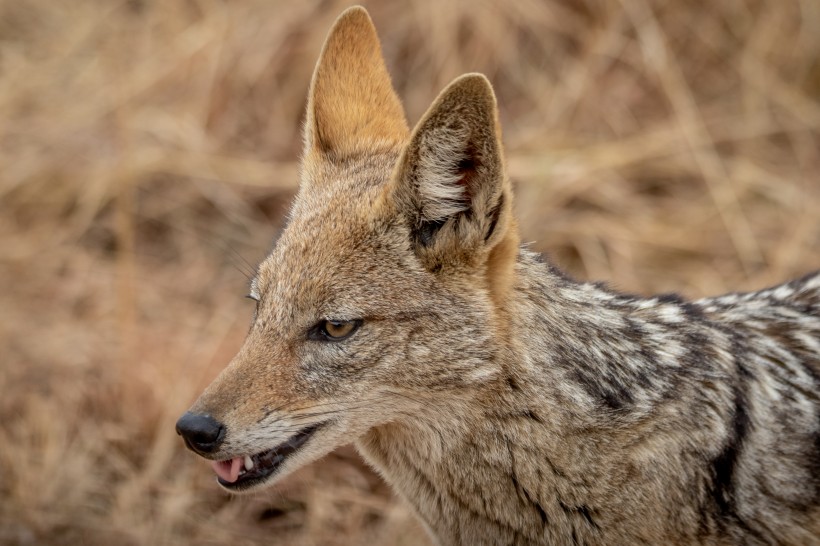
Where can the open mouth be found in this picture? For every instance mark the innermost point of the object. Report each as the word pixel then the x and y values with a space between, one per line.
pixel 243 472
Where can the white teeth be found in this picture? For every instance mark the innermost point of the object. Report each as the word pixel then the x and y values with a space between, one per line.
pixel 248 463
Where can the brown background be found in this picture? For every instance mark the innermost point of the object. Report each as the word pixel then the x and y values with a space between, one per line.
pixel 148 151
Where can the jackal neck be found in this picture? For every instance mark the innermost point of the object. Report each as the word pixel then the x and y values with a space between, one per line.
pixel 599 398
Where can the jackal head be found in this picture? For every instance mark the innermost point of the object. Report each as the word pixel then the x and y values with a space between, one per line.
pixel 385 295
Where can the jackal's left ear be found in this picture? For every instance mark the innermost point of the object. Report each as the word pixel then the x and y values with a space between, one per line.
pixel 451 184
pixel 352 107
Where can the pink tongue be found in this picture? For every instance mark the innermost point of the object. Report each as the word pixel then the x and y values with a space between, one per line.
pixel 228 470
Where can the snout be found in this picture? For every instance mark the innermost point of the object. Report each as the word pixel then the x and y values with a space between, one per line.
pixel 201 432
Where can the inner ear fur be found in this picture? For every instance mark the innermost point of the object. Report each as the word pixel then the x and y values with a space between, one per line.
pixel 451 184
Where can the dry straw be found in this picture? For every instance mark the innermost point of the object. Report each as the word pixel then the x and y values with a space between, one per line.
pixel 148 149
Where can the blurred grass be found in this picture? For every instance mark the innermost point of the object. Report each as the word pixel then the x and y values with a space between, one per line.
pixel 148 151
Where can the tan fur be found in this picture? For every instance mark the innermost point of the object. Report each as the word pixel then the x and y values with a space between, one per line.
pixel 351 100
pixel 505 402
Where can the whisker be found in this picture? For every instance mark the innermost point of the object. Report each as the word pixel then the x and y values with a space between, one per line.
pixel 238 261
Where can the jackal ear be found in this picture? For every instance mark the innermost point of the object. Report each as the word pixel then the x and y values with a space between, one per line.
pixel 451 183
pixel 352 106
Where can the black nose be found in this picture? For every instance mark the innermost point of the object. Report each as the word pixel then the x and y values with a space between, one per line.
pixel 201 433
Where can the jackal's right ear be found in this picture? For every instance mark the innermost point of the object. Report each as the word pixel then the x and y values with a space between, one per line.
pixel 451 184
pixel 352 107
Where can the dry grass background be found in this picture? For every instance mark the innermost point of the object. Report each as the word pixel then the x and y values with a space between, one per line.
pixel 149 149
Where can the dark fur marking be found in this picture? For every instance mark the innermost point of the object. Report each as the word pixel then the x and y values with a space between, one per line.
pixel 525 495
pixel 616 400
pixel 467 164
pixel 522 491
pixel 531 415
pixel 814 466
pixel 609 392
pixel 468 167
pixel 723 466
pixel 495 214
pixel 601 384
pixel 692 311
pixel 513 384
pixel 670 297
pixel 582 510
pixel 426 231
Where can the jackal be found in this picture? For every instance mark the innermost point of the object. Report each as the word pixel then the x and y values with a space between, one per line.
pixel 507 403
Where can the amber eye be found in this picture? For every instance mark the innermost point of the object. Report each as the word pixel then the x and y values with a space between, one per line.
pixel 334 330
